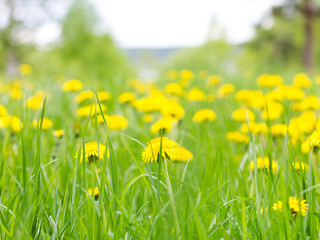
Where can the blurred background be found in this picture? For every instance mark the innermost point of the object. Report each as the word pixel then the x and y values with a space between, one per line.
pixel 115 40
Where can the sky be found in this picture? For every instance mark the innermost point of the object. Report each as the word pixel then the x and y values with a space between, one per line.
pixel 180 23
pixel 167 23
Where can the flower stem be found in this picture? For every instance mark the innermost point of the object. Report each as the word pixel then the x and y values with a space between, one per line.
pixel 172 202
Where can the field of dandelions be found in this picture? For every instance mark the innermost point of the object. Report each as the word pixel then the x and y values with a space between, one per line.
pixel 193 156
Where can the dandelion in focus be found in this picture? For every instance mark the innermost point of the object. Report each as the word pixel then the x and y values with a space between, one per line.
pixel 93 152
pixel 171 151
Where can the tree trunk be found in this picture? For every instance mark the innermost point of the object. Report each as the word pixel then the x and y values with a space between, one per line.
pixel 308 45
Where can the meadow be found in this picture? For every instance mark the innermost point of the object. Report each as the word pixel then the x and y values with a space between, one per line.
pixel 193 156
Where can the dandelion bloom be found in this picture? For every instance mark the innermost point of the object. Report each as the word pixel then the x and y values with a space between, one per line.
pixel 25 69
pixel 3 111
pixel 164 124
pixel 59 133
pixel 226 90
pixel 196 94
pixel 5 121
pixel 16 93
pixel 315 138
pixel 46 123
pixel 84 112
pixel 127 97
pixel 84 95
pixel 150 104
pixel 186 74
pixel 16 124
pixel 204 115
pixel 237 137
pixel 114 122
pixel 272 111
pixel 279 129
pixel 174 89
pixel 72 85
pixel 255 128
pixel 302 81
pixel 243 114
pixel 173 109
pixel 170 150
pixel 266 80
pixel 295 205
pixel 309 103
pixel 93 152
pixel 300 166
pixel 34 102
pixel 264 164
pixel 94 192
pixel 104 96
pixel 292 93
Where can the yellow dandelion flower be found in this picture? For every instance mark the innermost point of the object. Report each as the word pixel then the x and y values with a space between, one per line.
pixel 243 114
pixel 277 206
pixel 186 74
pixel 93 152
pixel 292 93
pixel 173 109
pixel 306 146
pixel 84 95
pixel 150 104
pixel 84 112
pixel 298 207
pixel 279 129
pixel 46 123
pixel 25 69
pixel 16 124
pixel 16 93
pixel 295 205
pixel 272 111
pixel 255 128
pixel 72 85
pixel 174 89
pixel 264 164
pixel 196 94
pixel 5 121
pixel 3 111
pixel 302 81
pixel 116 122
pixel 300 166
pixel 237 137
pixel 170 150
pixel 34 102
pixel 104 96
pixel 59 133
pixel 315 138
pixel 226 90
pixel 204 115
pixel 266 80
pixel 94 192
pixel 164 124
pixel 127 97
pixel 309 103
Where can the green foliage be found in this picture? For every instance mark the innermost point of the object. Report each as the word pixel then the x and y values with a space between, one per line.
pixel 214 56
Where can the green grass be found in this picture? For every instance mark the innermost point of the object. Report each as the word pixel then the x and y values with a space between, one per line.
pixel 44 187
